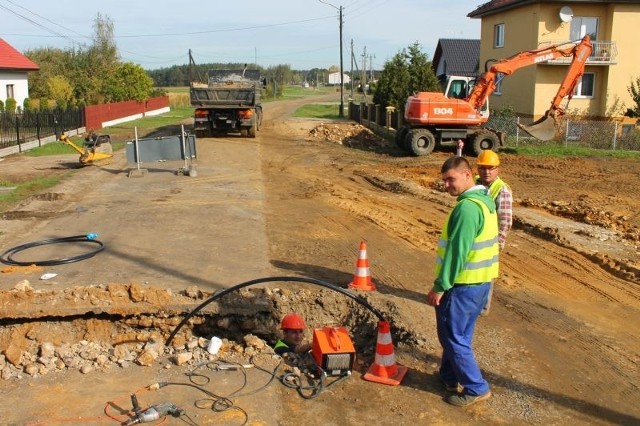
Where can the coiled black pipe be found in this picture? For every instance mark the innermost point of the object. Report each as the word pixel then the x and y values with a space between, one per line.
pixel 7 256
pixel 274 279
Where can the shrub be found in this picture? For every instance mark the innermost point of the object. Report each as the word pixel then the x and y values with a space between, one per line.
pixel 27 105
pixel 11 104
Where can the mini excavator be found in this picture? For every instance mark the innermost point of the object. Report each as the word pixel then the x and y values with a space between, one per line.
pixel 96 149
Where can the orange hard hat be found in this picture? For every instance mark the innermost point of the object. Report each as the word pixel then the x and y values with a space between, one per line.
pixel 488 157
pixel 292 322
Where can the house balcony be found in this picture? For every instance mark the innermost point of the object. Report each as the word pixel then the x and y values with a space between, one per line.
pixel 603 53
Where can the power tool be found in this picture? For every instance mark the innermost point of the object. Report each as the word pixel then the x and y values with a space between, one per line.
pixel 153 413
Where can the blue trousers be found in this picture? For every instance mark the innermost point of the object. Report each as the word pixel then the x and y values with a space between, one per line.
pixel 456 317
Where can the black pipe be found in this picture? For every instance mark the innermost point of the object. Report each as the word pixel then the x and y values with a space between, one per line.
pixel 7 256
pixel 273 279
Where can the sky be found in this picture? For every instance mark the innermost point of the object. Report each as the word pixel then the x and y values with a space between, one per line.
pixel 304 34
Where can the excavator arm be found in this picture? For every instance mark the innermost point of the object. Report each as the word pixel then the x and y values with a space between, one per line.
pixel 542 129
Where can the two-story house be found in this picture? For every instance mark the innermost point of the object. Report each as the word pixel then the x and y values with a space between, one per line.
pixel 512 26
pixel 14 67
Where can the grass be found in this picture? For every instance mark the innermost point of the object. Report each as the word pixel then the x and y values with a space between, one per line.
pixel 326 111
pixel 57 148
pixel 27 188
pixel 546 149
pixel 296 92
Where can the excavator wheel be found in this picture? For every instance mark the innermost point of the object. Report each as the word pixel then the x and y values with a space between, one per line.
pixel 420 142
pixel 401 134
pixel 482 140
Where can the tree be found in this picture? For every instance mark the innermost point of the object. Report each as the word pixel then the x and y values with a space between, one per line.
pixel 59 89
pixel 634 91
pixel 278 76
pixel 408 72
pixel 129 81
pixel 52 62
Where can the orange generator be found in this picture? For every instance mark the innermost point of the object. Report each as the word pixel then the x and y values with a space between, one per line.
pixel 333 350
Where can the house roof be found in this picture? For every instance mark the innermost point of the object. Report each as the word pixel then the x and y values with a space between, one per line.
pixel 11 59
pixel 457 57
pixel 495 6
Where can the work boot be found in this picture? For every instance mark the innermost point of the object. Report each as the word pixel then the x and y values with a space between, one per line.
pixel 465 400
pixel 453 388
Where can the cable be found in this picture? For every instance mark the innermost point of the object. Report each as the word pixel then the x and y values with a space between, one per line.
pixel 226 291
pixel 7 256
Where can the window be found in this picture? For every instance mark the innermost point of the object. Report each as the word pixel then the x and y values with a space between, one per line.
pixel 457 89
pixel 582 26
pixel 586 86
pixel 498 83
pixel 10 91
pixel 498 35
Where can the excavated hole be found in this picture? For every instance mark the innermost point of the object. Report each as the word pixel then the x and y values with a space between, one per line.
pixel 19 215
pixel 49 196
pixel 247 320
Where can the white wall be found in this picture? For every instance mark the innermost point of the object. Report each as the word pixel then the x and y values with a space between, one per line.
pixel 20 86
pixel 334 78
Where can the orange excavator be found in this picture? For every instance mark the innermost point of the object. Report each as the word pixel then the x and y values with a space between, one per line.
pixel 440 119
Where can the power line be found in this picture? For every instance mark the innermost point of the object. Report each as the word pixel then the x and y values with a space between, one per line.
pixel 225 30
pixel 31 21
pixel 48 20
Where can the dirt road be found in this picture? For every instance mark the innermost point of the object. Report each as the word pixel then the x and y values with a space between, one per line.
pixel 558 347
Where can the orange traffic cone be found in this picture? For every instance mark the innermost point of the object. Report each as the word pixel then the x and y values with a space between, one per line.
pixel 384 368
pixel 362 276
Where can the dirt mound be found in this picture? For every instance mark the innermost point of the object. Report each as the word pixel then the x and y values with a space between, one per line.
pixel 352 135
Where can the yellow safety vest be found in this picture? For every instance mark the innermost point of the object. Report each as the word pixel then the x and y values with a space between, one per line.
pixel 482 261
pixel 496 186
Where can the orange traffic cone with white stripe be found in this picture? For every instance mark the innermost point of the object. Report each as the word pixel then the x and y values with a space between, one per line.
pixel 362 276
pixel 384 368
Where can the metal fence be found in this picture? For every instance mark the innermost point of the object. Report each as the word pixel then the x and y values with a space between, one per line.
pixel 571 132
pixel 19 128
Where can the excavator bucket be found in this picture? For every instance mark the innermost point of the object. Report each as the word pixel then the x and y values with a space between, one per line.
pixel 543 129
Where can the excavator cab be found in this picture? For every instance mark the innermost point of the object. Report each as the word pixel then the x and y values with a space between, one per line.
pixel 459 87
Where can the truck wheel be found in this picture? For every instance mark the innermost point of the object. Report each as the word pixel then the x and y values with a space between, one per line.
pixel 401 134
pixel 244 132
pixel 483 140
pixel 253 129
pixel 421 142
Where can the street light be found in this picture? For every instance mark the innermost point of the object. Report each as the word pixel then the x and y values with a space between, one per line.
pixel 341 113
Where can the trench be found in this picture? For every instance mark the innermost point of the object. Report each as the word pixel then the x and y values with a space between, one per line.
pixel 135 332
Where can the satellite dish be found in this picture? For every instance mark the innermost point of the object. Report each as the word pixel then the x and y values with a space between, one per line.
pixel 566 14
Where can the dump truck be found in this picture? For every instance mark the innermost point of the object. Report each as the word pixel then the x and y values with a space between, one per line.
pixel 228 102
pixel 459 114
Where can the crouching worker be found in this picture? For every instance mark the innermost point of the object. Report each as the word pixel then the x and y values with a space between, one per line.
pixel 292 327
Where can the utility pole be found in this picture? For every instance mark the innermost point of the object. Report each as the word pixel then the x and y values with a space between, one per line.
pixel 341 113
pixel 371 65
pixel 351 96
pixel 364 70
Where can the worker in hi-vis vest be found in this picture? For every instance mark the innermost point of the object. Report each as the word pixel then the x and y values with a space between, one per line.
pixel 466 263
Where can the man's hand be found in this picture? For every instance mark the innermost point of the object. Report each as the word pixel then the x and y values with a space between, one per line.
pixel 433 298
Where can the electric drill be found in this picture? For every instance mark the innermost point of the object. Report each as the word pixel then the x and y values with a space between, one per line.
pixel 153 413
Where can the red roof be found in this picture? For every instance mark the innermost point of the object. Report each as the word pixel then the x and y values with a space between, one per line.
pixel 11 59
